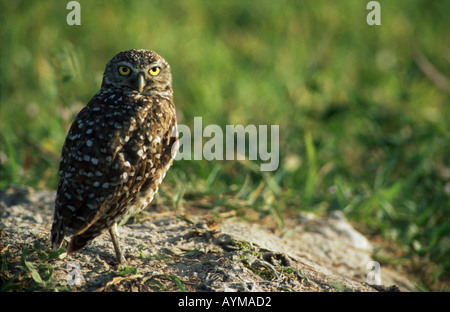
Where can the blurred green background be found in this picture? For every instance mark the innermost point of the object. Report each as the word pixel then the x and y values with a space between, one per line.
pixel 364 111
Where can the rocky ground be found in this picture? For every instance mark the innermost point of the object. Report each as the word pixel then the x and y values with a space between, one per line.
pixel 191 249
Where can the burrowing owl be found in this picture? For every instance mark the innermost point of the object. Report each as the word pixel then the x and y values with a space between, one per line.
pixel 117 150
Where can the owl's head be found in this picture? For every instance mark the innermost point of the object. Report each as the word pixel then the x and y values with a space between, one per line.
pixel 142 71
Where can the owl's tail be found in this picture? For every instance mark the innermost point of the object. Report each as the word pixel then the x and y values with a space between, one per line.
pixel 57 233
pixel 80 241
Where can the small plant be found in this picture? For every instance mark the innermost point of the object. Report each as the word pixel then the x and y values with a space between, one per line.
pixel 31 270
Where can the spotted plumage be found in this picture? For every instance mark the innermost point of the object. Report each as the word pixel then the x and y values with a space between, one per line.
pixel 117 151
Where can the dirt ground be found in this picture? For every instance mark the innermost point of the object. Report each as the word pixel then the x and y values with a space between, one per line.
pixel 192 249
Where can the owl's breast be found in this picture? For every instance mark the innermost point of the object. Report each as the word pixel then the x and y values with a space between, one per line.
pixel 118 139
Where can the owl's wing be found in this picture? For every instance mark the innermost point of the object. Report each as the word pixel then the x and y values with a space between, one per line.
pixel 76 209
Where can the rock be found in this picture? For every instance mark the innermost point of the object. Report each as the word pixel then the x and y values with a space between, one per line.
pixel 169 252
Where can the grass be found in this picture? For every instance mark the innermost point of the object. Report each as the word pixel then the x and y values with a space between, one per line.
pixel 34 271
pixel 363 127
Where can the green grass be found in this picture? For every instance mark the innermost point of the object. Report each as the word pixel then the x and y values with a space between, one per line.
pixel 362 128
pixel 33 272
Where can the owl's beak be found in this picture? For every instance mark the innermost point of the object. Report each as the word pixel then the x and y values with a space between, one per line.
pixel 140 82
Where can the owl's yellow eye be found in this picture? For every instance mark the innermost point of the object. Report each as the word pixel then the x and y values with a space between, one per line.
pixel 124 70
pixel 154 71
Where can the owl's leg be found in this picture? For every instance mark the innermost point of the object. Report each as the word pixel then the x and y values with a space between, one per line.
pixel 114 237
